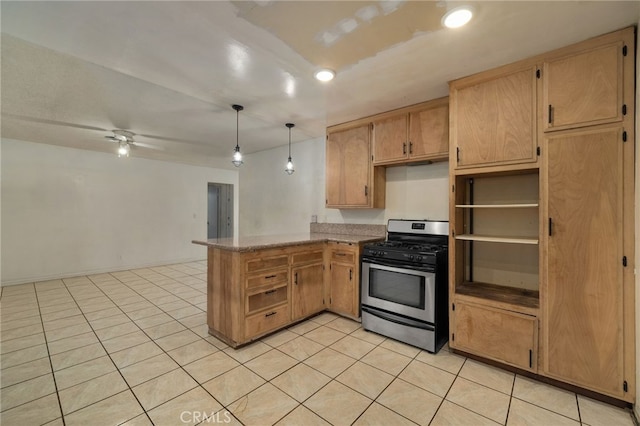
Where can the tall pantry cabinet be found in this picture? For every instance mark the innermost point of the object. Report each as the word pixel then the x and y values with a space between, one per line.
pixel 542 215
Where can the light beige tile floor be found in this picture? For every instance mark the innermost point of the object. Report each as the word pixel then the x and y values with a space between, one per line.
pixel 132 347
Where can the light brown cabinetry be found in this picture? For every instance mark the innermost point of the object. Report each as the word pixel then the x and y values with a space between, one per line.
pixel 493 117
pixel 351 181
pixel 253 293
pixel 307 290
pixel 498 334
pixel 343 278
pixel 411 134
pixel 584 88
pixel 585 289
pixel 542 250
pixel 266 292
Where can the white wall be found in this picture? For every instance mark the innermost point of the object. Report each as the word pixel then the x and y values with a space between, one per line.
pixel 273 202
pixel 67 212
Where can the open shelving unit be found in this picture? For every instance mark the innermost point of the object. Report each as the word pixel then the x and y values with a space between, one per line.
pixel 497 238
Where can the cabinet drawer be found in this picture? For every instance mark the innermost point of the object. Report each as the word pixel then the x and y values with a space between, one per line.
pixel 267 263
pixel 264 299
pixel 343 256
pixel 268 278
pixel 504 336
pixel 266 321
pixel 307 257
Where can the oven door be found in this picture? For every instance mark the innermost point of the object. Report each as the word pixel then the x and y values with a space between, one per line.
pixel 400 290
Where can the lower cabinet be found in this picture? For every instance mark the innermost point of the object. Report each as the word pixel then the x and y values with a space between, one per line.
pixel 343 278
pixel 264 322
pixel 307 289
pixel 253 293
pixel 497 334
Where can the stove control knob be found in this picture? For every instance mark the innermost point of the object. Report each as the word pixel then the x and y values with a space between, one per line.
pixel 410 257
pixel 419 258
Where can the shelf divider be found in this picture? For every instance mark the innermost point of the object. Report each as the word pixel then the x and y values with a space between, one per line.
pixel 494 239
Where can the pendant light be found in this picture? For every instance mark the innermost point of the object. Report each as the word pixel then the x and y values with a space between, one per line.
pixel 237 156
pixel 289 168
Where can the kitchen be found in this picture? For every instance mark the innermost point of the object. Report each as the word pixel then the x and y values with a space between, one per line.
pixel 266 188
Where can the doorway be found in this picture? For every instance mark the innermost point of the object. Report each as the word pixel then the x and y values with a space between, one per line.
pixel 219 210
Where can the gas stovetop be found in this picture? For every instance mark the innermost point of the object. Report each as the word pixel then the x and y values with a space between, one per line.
pixel 411 241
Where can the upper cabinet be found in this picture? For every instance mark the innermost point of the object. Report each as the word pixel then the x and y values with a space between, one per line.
pixel 351 181
pixel 411 134
pixel 493 117
pixel 584 88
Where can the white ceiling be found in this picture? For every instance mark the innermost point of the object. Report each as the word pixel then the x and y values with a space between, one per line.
pixel 169 71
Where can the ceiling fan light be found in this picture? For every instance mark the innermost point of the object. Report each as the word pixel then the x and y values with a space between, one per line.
pixel 324 74
pixel 123 149
pixel 457 17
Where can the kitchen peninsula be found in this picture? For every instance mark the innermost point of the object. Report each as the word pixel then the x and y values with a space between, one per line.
pixel 257 285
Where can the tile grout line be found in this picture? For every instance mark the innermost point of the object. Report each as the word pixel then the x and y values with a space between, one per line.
pixel 46 343
pixel 108 354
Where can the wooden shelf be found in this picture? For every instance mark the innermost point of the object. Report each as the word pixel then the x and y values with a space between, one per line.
pixel 503 294
pixel 491 239
pixel 497 206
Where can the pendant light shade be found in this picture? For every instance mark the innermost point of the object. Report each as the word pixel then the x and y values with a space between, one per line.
pixel 237 156
pixel 289 167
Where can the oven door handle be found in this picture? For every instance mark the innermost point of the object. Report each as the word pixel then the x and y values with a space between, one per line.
pixel 397 319
pixel 398 267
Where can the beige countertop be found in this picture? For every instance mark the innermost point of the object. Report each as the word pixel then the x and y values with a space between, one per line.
pixel 273 241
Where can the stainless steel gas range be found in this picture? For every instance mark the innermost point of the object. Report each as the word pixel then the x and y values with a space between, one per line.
pixel 404 283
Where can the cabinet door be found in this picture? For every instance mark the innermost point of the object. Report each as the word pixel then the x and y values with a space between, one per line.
pixel 494 120
pixel 429 133
pixel 308 290
pixel 501 335
pixel 343 289
pixel 390 142
pixel 347 167
pixel 584 89
pixel 583 327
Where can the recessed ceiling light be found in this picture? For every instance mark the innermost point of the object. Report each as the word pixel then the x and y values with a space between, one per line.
pixel 455 18
pixel 325 74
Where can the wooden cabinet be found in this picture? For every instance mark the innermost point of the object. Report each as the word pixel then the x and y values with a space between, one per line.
pixel 391 139
pixel 584 88
pixel 584 310
pixel 549 267
pixel 498 334
pixel 344 278
pixel 429 132
pixel 253 293
pixel 416 133
pixel 266 292
pixel 493 117
pixel 307 289
pixel 351 181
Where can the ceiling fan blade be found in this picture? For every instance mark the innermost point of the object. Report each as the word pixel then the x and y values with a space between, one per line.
pixel 53 122
pixel 144 145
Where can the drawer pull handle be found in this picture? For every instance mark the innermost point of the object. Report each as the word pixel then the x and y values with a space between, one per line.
pixel 270 291
pixel 268 277
pixel 269 314
pixel 341 254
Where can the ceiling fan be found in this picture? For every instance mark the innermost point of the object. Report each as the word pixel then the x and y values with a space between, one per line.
pixel 124 139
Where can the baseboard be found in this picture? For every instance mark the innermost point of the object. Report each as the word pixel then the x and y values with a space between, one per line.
pixel 118 268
